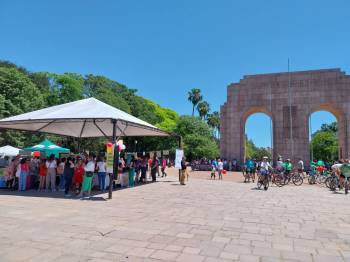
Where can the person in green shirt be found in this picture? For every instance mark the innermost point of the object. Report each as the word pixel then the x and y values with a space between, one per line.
pixel 287 166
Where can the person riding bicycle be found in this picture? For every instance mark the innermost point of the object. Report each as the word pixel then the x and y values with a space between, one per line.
pixel 264 168
pixel 287 167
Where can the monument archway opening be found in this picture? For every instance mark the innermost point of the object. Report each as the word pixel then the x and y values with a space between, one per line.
pixel 258 132
pixel 324 142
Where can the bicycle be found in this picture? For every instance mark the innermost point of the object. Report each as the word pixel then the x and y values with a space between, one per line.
pixel 263 180
pixel 336 183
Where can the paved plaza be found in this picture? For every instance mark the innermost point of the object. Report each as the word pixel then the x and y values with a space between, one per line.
pixel 202 221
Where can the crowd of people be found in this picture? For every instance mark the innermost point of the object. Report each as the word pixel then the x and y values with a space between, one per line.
pixel 228 165
pixel 74 175
pixel 252 167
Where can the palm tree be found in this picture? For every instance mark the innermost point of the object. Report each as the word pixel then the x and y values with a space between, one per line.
pixel 213 121
pixel 203 108
pixel 194 96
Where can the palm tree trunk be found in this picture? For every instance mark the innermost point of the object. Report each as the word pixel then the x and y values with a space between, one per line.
pixel 193 110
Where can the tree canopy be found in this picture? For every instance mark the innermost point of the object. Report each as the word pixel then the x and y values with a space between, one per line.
pixel 324 142
pixel 23 91
pixel 197 137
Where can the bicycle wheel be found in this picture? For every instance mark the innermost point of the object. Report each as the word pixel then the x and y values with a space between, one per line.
pixel 327 181
pixel 333 184
pixel 346 186
pixel 297 180
pixel 259 183
pixel 312 180
pixel 266 182
pixel 279 180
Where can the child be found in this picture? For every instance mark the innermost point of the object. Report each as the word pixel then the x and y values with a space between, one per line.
pixel 213 170
pixel 78 176
pixel 42 174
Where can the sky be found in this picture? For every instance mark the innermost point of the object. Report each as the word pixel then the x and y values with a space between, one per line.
pixel 164 48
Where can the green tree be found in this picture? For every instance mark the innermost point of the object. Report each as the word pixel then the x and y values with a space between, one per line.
pixel 68 87
pixel 213 121
pixel 18 95
pixel 105 90
pixel 252 151
pixel 325 145
pixel 203 108
pixel 197 138
pixel 194 96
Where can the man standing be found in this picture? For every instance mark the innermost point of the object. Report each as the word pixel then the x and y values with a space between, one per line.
pixel 301 166
pixel 220 168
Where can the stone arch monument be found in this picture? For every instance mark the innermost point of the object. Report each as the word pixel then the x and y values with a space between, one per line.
pixel 289 99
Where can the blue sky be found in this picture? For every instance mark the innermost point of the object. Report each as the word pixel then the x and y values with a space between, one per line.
pixel 163 48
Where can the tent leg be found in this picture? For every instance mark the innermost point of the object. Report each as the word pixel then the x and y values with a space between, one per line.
pixel 111 176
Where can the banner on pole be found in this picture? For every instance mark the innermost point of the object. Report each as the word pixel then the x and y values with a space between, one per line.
pixel 110 157
pixel 178 157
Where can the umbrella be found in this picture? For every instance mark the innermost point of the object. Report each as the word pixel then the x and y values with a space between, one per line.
pixel 9 151
pixel 48 148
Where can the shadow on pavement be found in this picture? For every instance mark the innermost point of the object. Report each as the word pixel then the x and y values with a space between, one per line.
pixel 95 194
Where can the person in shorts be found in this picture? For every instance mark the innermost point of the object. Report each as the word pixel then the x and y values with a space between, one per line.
pixel 213 171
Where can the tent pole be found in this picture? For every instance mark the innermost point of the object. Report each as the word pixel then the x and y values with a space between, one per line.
pixel 180 144
pixel 115 150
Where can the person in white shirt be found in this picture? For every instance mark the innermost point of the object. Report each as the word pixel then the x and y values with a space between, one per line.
pixel 264 168
pixel 89 173
pixel 279 164
pixel 220 168
pixel 300 166
pixel 51 165
pixel 101 172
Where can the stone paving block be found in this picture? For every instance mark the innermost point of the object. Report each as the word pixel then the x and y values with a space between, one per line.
pixel 221 239
pixel 211 251
pixel 266 252
pixel 190 258
pixel 184 235
pixel 326 258
pixel 230 256
pixel 299 256
pixel 191 250
pixel 140 252
pixel 165 255
pixel 156 245
pixel 21 254
pixel 238 249
pixel 118 248
pixel 248 258
pixel 174 248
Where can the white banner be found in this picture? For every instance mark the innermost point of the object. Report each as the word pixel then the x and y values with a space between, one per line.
pixel 178 158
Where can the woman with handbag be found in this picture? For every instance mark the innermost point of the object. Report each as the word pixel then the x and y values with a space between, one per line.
pixel 89 173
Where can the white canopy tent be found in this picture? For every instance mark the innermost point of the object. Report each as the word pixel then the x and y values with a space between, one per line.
pixel 83 118
pixel 9 151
